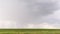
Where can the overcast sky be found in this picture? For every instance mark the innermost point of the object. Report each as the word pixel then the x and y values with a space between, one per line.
pixel 29 13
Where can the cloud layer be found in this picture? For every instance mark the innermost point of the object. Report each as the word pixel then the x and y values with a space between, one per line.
pixel 29 13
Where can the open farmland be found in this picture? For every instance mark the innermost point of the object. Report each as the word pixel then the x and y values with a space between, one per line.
pixel 29 31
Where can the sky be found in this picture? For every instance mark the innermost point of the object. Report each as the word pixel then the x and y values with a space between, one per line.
pixel 29 13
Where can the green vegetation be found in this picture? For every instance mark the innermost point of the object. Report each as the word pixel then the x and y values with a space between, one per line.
pixel 29 31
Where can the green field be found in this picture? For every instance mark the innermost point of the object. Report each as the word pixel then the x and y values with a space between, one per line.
pixel 29 31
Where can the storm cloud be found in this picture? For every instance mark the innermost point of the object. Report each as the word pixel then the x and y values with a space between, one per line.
pixel 43 8
pixel 24 12
pixel 38 10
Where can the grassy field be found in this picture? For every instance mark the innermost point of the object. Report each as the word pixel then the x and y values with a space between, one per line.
pixel 29 31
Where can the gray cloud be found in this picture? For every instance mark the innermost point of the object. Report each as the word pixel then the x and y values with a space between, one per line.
pixel 27 11
pixel 38 10
pixel 43 8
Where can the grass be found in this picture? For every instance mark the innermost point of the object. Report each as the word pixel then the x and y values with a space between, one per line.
pixel 29 31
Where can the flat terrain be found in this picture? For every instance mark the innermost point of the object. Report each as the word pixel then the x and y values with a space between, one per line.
pixel 29 31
